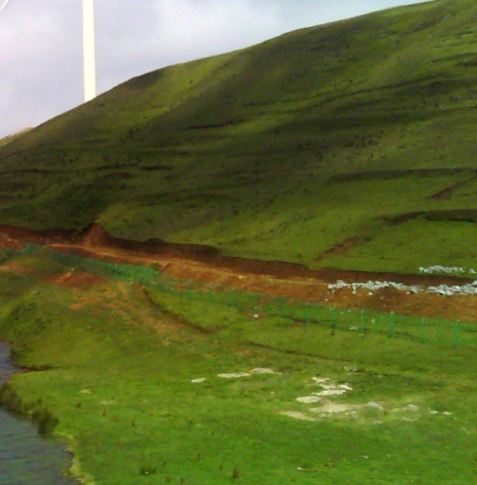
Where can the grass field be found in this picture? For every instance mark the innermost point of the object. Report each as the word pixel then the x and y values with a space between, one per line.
pixel 280 151
pixel 134 380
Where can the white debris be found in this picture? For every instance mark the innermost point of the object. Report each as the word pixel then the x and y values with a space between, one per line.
pixel 263 370
pixel 234 375
pixel 373 405
pixel 296 415
pixel 445 290
pixel 199 380
pixel 451 270
pixel 320 380
pixel 309 399
pixel 238 375
pixel 332 408
pixel 331 392
pixel 330 388
pixel 341 387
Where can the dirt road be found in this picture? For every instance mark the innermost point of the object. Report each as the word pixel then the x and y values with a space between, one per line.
pixel 294 281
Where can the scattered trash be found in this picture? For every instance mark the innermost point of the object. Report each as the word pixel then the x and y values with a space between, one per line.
pixel 445 290
pixel 199 380
pixel 438 269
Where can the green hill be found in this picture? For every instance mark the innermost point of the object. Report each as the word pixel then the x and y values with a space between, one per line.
pixel 12 136
pixel 350 144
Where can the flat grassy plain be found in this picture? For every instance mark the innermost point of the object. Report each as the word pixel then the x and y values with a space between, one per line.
pixel 280 151
pixel 132 375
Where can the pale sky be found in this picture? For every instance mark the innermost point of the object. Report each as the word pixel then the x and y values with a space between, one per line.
pixel 41 46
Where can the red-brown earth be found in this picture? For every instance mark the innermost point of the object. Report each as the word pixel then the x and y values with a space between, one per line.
pixel 205 264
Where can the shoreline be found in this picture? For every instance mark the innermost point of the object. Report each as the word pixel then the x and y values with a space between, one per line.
pixel 13 405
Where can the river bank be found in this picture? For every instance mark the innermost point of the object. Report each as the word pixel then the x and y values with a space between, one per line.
pixel 25 457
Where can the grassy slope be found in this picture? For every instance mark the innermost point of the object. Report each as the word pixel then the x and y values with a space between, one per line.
pixel 117 373
pixel 261 152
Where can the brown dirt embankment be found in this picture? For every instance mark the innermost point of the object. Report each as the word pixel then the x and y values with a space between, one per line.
pixel 96 237
pixel 295 281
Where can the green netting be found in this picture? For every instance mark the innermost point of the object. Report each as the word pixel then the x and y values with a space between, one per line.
pixel 426 331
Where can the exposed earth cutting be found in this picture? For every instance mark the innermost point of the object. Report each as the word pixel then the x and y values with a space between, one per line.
pixel 269 277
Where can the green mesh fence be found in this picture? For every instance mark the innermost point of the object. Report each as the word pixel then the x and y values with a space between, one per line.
pixel 416 329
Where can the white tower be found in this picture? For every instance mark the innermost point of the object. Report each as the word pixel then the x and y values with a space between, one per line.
pixel 5 3
pixel 89 51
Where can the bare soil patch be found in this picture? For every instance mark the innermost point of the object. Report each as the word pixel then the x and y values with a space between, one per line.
pixel 340 248
pixel 273 278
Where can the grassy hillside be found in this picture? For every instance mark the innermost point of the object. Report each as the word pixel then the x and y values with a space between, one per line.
pixel 356 135
pixel 12 136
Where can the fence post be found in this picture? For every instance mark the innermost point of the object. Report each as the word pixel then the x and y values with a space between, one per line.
pixel 391 325
pixel 456 334
pixel 307 315
pixel 423 331
pixel 255 304
pixel 281 305
pixel 361 321
pixel 333 320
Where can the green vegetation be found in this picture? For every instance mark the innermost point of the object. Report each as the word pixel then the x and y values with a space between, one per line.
pixel 347 145
pixel 214 307
pixel 132 379
pixel 280 151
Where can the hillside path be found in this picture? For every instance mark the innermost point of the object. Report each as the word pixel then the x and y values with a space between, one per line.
pixel 278 279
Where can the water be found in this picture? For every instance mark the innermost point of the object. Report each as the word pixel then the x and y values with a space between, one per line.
pixel 25 457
